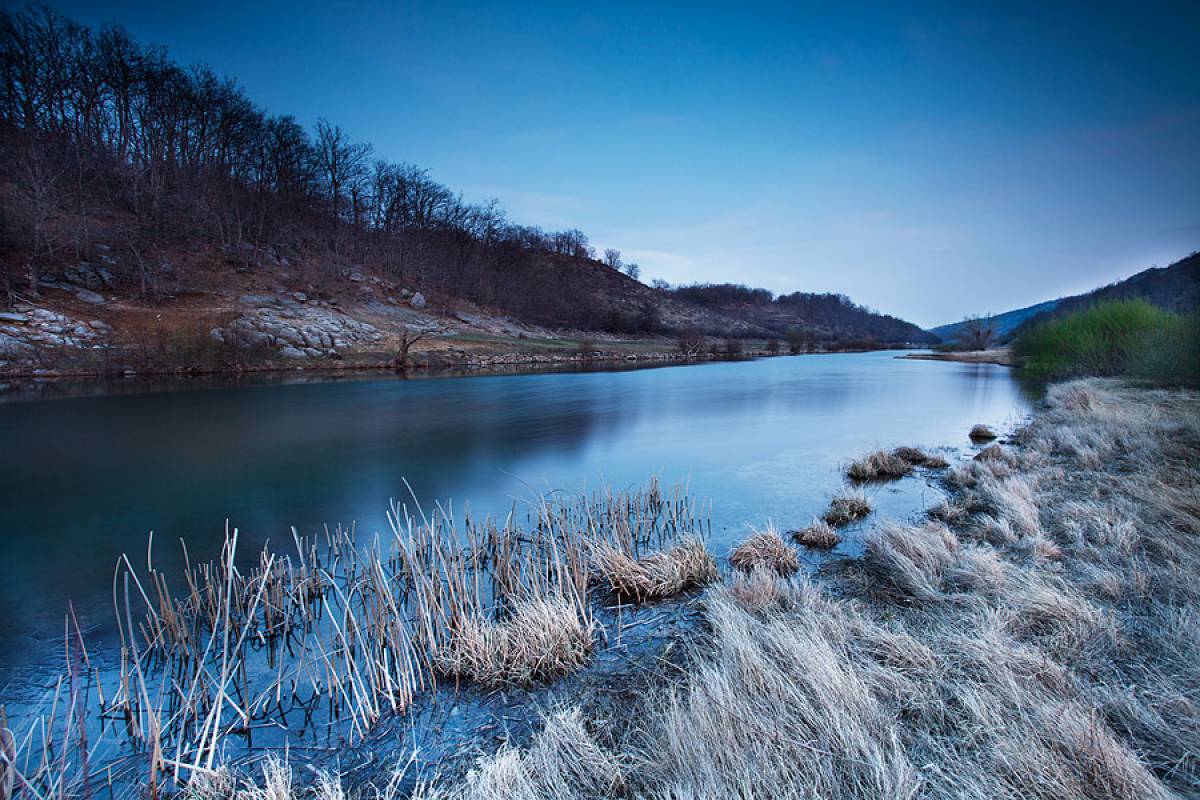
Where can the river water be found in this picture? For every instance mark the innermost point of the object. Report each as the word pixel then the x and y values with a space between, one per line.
pixel 84 479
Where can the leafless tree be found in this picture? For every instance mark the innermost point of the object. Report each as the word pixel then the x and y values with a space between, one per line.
pixel 690 342
pixel 408 338
pixel 977 332
pixel 612 258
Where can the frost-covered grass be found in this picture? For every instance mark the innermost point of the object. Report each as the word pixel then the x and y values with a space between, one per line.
pixel 1040 638
pixel 766 550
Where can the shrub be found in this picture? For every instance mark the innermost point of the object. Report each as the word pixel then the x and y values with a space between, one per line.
pixel 1122 337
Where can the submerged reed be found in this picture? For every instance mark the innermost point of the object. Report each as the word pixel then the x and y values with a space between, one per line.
pixel 336 631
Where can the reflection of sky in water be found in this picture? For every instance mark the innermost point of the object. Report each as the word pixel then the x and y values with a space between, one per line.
pixel 85 479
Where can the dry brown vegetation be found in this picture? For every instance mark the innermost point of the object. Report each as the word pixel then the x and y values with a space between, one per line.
pixel 765 550
pixel 919 458
pixel 819 535
pixel 847 507
pixel 951 662
pixel 658 575
pixel 338 632
pixel 1038 639
pixel 878 466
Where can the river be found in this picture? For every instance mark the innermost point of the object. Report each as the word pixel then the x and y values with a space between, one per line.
pixel 84 479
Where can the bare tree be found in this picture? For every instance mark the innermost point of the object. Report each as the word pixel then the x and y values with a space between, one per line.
pixel 633 270
pixel 612 258
pixel 690 342
pixel 408 338
pixel 976 333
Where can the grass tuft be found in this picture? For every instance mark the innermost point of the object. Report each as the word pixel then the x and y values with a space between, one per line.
pixel 541 639
pixel 878 466
pixel 846 508
pixel 767 550
pixel 662 574
pixel 820 535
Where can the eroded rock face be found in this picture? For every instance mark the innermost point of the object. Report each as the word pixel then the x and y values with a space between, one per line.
pixel 296 329
pixel 27 331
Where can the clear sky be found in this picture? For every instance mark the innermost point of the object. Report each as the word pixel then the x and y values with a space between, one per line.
pixel 930 160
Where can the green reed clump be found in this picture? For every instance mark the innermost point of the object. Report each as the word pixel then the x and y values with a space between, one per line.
pixel 1129 338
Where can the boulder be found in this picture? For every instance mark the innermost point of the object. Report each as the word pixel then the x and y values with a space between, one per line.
pixel 417 301
pixel 290 352
pixel 90 297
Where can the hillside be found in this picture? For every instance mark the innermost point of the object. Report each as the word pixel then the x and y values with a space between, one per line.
pixel 1172 288
pixel 153 217
pixel 1004 324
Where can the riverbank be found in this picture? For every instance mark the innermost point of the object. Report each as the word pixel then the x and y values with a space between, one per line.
pixel 1001 356
pixel 1038 633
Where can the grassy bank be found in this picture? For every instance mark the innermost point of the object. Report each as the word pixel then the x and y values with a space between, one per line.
pixel 1122 337
pixel 1035 637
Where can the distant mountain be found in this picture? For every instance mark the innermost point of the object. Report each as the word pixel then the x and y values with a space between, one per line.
pixel 1004 323
pixel 1173 288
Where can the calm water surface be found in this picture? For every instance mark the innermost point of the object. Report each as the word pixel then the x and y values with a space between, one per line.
pixel 83 480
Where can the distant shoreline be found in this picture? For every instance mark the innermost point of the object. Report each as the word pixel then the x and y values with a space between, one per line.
pixel 1001 356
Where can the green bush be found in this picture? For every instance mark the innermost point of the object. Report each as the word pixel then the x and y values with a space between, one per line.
pixel 1120 337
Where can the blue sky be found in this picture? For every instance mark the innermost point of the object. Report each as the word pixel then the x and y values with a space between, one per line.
pixel 929 160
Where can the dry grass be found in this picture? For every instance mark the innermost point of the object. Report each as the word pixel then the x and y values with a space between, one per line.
pixel 765 549
pixel 330 637
pixel 846 508
pixel 820 535
pixel 541 639
pixel 659 575
pixel 950 662
pixel 878 466
pixel 1047 645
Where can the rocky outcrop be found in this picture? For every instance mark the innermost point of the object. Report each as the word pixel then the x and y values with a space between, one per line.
pixel 27 331
pixel 296 327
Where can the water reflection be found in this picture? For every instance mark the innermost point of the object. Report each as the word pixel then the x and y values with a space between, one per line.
pixel 84 479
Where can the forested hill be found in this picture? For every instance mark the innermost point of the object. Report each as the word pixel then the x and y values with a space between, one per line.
pixel 828 316
pixel 1172 288
pixel 1003 324
pixel 132 182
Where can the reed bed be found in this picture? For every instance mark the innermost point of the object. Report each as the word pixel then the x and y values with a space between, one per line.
pixel 333 633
